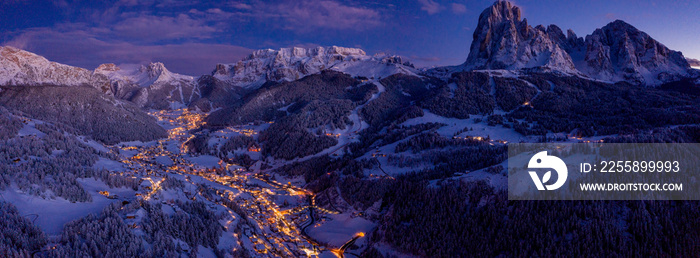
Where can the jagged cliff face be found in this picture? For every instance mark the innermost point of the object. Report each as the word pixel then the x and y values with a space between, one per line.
pixel 569 42
pixel 503 40
pixel 289 64
pixel 616 52
pixel 620 51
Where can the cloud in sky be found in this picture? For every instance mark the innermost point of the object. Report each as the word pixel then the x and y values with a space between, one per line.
pixel 242 6
pixel 459 8
pixel 84 49
pixel 141 31
pixel 430 6
pixel 305 16
pixel 138 31
pixel 88 28
pixel 149 27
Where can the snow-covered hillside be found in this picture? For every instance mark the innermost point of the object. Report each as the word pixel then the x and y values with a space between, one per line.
pixel 288 64
pixel 19 67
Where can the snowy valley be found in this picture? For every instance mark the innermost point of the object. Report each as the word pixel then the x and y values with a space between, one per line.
pixel 331 152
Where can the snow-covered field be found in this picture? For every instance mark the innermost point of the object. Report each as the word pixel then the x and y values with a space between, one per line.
pixel 481 129
pixel 51 215
pixel 206 161
pixel 108 164
pixel 340 229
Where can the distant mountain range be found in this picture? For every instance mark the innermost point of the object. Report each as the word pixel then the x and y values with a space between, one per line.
pixel 289 64
pixel 502 40
pixel 154 86
pixel 395 150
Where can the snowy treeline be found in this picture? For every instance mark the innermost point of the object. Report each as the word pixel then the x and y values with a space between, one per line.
pixel 50 165
pixel 689 133
pixel 172 183
pixel 433 140
pixel 592 108
pixel 18 236
pixel 264 104
pixel 103 235
pixel 9 124
pixel 83 111
pixel 471 219
pixel 109 234
pixel 446 156
pixel 198 144
pixel 287 139
pixel 195 224
pixel 466 93
pixel 393 133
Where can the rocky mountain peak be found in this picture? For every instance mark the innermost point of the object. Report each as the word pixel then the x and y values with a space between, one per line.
pixel 155 70
pixel 107 68
pixel 501 11
pixel 18 56
pixel 220 70
pixel 569 42
pixel 503 40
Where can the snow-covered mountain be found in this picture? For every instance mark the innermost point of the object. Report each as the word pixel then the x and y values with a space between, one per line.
pixel 152 85
pixel 503 40
pixel 142 75
pixel 620 51
pixel 288 64
pixel 149 86
pixel 19 67
pixel 616 52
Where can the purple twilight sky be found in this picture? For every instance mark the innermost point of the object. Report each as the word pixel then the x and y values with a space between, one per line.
pixel 190 37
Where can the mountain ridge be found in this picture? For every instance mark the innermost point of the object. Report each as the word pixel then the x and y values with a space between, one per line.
pixel 151 86
pixel 20 67
pixel 154 86
pixel 289 64
pixel 616 52
pixel 503 40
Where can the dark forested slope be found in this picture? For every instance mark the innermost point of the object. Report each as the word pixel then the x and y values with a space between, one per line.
pixel 85 110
